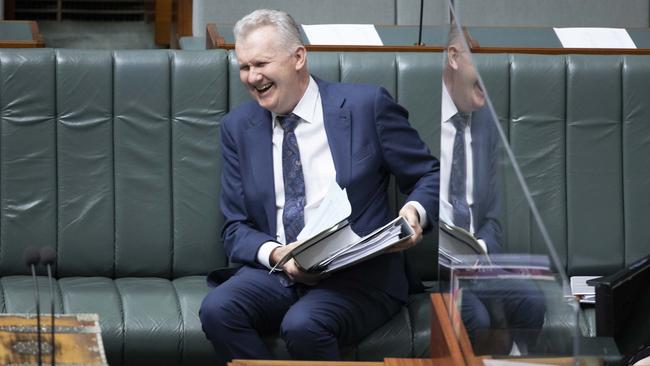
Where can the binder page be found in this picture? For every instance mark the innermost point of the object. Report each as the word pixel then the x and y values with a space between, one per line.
pixel 334 208
pixel 371 244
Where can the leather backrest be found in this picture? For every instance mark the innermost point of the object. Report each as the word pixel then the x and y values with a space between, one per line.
pixel 575 129
pixel 28 196
pixel 594 170
pixel 112 157
pixel 537 138
pixel 636 149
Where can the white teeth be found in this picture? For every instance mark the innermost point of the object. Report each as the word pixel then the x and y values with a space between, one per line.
pixel 264 88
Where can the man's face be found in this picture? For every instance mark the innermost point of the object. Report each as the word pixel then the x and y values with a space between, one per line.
pixel 465 90
pixel 271 72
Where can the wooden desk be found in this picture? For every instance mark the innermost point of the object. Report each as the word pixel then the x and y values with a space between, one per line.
pixel 543 40
pixel 20 34
pixel 396 38
pixel 401 38
pixel 301 363
pixel 387 362
pixel 78 340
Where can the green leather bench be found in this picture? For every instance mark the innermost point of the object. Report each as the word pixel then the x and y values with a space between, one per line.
pixel 113 159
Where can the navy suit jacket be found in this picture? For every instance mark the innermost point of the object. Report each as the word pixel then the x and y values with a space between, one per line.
pixel 485 211
pixel 370 139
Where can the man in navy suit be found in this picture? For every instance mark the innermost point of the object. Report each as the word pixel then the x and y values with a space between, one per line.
pixel 280 153
pixel 469 129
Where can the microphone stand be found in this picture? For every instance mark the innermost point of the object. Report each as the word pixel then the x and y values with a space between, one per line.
pixel 32 258
pixel 37 298
pixel 48 256
pixel 420 27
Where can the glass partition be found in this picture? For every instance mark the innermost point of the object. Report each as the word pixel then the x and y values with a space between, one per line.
pixel 505 285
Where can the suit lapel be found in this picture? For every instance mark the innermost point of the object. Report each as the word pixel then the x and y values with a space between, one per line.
pixel 259 144
pixel 479 160
pixel 476 153
pixel 337 121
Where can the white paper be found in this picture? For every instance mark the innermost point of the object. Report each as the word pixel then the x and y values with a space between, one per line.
pixel 334 208
pixel 370 244
pixel 579 285
pixel 340 238
pixel 586 294
pixel 594 38
pixel 342 34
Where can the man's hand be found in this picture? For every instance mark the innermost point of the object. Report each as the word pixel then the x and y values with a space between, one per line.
pixel 281 251
pixel 290 268
pixel 413 218
pixel 297 275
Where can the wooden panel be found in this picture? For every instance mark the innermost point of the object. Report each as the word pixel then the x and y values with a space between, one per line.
pixel 301 363
pixel 163 22
pixel 445 349
pixel 36 40
pixel 563 51
pixel 184 18
pixel 216 40
pixel 409 362
pixel 78 340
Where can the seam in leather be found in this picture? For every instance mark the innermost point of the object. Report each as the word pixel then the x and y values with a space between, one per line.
pixel 181 340
pixel 123 345
pixel 3 297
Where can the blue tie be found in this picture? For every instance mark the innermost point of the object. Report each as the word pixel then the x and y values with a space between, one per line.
pixel 293 216
pixel 458 177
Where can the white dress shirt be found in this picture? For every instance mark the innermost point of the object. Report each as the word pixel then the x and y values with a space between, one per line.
pixel 447 135
pixel 317 164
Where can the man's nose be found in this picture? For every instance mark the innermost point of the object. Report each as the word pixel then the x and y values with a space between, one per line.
pixel 253 75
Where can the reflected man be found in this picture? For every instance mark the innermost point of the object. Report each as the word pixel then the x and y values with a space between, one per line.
pixel 469 199
pixel 468 150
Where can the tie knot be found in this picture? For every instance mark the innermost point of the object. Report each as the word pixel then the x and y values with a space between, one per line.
pixel 460 120
pixel 289 122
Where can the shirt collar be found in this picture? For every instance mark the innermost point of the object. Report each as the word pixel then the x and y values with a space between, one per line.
pixel 447 107
pixel 306 107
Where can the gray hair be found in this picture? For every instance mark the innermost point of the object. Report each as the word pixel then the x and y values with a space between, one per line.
pixel 280 20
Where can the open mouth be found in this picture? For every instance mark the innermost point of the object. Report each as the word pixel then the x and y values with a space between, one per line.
pixel 478 86
pixel 478 89
pixel 263 88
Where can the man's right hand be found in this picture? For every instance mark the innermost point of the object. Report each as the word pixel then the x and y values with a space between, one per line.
pixel 290 268
pixel 281 251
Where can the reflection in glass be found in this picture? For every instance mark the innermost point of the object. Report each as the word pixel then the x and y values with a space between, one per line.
pixel 505 294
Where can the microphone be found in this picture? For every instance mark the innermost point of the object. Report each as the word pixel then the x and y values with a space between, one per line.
pixel 420 27
pixel 32 258
pixel 48 256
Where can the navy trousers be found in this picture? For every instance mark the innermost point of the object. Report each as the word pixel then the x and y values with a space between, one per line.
pixel 497 312
pixel 314 321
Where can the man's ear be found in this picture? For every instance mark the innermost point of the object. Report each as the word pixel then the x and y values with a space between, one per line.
pixel 452 57
pixel 300 54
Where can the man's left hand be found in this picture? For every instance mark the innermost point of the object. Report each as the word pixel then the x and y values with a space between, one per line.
pixel 413 218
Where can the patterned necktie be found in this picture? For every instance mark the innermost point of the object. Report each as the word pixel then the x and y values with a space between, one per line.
pixel 293 216
pixel 458 177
